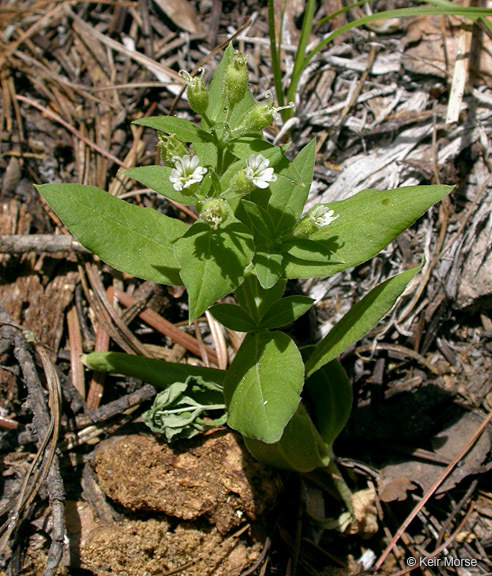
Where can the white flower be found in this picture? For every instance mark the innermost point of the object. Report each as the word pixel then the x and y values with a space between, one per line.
pixel 186 172
pixel 322 216
pixel 258 171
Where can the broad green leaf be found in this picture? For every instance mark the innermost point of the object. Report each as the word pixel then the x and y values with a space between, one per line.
pixel 330 394
pixel 263 385
pixel 311 250
pixel 290 191
pixel 301 448
pixel 268 266
pixel 285 311
pixel 156 372
pixel 366 223
pixel 213 261
pixel 183 129
pixel 260 219
pixel 233 317
pixel 136 240
pixel 157 178
pixel 246 145
pixel 254 299
pixel 359 320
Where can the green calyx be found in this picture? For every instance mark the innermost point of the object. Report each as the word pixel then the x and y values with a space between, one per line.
pixel 170 147
pixel 214 212
pixel 235 79
pixel 196 91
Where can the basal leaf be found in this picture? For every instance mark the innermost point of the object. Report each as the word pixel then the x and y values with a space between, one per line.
pixel 359 320
pixel 233 317
pixel 157 178
pixel 156 372
pixel 285 311
pixel 330 395
pixel 136 240
pixel 366 223
pixel 301 448
pixel 213 261
pixel 263 385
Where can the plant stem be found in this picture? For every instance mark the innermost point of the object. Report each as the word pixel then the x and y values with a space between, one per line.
pixel 307 24
pixel 275 53
pixel 340 484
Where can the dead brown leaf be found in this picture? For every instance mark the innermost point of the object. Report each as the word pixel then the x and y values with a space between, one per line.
pixel 182 14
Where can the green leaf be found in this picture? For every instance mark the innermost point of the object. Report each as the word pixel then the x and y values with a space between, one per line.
pixel 156 372
pixel 366 223
pixel 183 129
pixel 268 266
pixel 254 299
pixel 260 219
pixel 301 448
pixel 243 147
pixel 130 238
pixel 263 385
pixel 285 311
pixel 359 320
pixel 233 317
pixel 311 250
pixel 290 191
pixel 213 261
pixel 330 395
pixel 157 178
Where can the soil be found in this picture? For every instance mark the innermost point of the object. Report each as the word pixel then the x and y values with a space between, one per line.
pixel 107 497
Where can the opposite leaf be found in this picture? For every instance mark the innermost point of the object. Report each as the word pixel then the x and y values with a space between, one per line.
pixel 181 128
pixel 233 317
pixel 365 224
pixel 359 320
pixel 213 261
pixel 157 178
pixel 130 238
pixel 285 311
pixel 263 385
pixel 300 449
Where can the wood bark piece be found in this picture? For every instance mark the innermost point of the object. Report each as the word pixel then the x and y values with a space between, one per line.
pixel 167 328
pixel 38 243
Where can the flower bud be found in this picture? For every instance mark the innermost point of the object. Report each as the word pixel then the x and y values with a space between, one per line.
pixel 319 217
pixel 170 148
pixel 241 184
pixel 196 92
pixel 260 116
pixel 214 212
pixel 235 79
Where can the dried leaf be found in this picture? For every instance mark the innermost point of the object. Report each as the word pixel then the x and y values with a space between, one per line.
pixel 181 13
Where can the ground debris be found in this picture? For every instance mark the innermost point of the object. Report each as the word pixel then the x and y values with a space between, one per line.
pixel 211 477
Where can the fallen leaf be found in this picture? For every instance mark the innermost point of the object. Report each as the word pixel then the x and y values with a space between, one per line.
pixel 181 13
